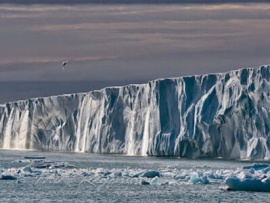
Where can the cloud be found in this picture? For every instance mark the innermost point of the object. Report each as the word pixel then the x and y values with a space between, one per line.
pixel 127 42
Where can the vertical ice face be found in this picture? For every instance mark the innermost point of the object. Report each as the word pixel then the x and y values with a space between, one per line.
pixel 215 115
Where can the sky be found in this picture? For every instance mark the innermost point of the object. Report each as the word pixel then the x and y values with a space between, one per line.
pixel 127 43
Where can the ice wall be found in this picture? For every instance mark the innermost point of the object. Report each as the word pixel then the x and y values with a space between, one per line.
pixel 217 115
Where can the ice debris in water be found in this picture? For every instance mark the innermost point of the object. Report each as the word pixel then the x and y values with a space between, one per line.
pixel 35 157
pixel 7 176
pixel 197 177
pixel 22 161
pixel 151 174
pixel 28 169
pixel 50 164
pixel 250 178
pixel 144 182
pixel 254 177
pixel 154 181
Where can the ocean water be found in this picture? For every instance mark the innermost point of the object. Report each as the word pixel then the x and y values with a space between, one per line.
pixel 82 177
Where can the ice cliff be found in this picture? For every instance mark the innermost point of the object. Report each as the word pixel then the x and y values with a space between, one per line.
pixel 216 115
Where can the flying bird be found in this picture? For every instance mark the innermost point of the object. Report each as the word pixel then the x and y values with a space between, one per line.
pixel 64 63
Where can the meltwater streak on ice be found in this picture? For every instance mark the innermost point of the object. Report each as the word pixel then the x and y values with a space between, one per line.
pixel 215 115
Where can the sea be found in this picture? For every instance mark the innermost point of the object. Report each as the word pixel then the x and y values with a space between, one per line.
pixel 84 177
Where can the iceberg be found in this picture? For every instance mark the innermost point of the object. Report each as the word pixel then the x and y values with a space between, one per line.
pixel 144 182
pixel 196 178
pixel 223 115
pixel 251 178
pixel 151 174
pixel 6 176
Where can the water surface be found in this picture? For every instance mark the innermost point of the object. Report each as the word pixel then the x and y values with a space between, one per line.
pixel 90 182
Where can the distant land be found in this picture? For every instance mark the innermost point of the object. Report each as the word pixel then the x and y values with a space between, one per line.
pixel 72 2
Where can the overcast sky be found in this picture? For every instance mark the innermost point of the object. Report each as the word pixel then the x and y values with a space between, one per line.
pixel 130 42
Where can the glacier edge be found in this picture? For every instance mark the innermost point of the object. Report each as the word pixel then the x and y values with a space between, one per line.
pixel 215 115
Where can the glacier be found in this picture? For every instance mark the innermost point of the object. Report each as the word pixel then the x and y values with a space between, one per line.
pixel 223 115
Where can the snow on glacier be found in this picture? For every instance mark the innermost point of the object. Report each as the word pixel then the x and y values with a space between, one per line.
pixel 216 115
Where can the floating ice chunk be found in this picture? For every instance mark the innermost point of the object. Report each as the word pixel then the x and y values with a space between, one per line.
pixel 250 178
pixel 214 176
pixel 27 169
pixel 248 184
pixel 154 181
pixel 197 177
pixel 136 175
pixel 144 182
pixel 63 165
pixel 40 164
pixel 21 161
pixel 257 166
pixel 104 173
pixel 28 175
pixel 84 173
pixel 6 176
pixel 266 170
pixel 126 174
pixel 50 164
pixel 116 174
pixel 194 178
pixel 266 180
pixel 184 175
pixel 56 172
pixel 151 174
pixel 34 157
pixel 37 172
pixel 181 177
pixel 204 180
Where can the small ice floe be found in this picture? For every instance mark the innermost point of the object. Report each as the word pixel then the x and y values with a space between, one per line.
pixel 138 174
pixel 151 174
pixel 214 176
pixel 116 174
pixel 104 173
pixel 63 165
pixel 197 177
pixel 50 165
pixel 85 173
pixel 144 182
pixel 29 172
pixel 21 161
pixel 181 177
pixel 41 164
pixel 7 176
pixel 154 181
pixel 250 178
pixel 35 157
pixel 27 169
pixel 184 175
pixel 257 166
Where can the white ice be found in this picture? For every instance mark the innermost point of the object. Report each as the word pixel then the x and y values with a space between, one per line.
pixel 222 115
